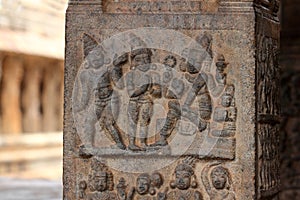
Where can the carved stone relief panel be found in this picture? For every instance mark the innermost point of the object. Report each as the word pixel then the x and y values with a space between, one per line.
pixel 147 100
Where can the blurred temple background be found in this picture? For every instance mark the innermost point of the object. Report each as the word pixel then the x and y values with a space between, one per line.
pixel 31 89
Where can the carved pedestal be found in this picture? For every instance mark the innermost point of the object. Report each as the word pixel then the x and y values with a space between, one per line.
pixel 171 100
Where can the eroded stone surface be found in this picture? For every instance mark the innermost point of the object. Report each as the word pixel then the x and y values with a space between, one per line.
pixel 161 98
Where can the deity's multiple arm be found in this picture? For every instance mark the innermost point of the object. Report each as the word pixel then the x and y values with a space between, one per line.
pixel 117 71
pixel 198 84
pixel 141 90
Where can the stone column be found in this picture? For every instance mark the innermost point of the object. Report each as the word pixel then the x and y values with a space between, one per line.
pixel 51 96
pixel 1 68
pixel 31 95
pixel 172 100
pixel 10 94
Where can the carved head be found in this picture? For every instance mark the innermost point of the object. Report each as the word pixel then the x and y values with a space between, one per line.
pixel 96 58
pixel 143 184
pixel 226 100
pixel 100 178
pixel 156 180
pixel 94 54
pixel 221 64
pixel 82 185
pixel 219 177
pixel 183 176
pixel 227 97
pixel 100 181
pixel 141 59
pixel 206 42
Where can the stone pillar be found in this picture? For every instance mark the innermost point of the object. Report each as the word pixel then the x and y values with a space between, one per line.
pixel 31 95
pixel 1 68
pixel 52 97
pixel 10 94
pixel 171 100
pixel 290 87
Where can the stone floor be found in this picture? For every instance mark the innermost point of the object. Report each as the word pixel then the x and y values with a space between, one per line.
pixel 35 189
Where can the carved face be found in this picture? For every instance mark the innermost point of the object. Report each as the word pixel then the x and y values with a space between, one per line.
pixel 100 181
pixel 143 185
pixel 156 180
pixel 82 185
pixel 219 178
pixel 226 100
pixel 142 62
pixel 96 59
pixel 221 68
pixel 183 180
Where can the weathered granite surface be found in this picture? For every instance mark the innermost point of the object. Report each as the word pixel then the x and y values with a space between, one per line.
pixel 171 100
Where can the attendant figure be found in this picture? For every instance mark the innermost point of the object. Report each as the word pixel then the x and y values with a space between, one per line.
pixel 217 182
pixel 184 186
pixel 100 182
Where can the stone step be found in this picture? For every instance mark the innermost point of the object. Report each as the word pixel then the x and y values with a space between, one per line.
pixel 31 155
pixel 19 189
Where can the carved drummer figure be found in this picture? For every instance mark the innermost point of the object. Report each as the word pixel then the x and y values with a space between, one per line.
pixel 199 93
pixel 94 95
pixel 172 91
pixel 103 109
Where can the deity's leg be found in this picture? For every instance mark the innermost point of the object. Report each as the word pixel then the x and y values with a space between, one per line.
pixel 133 113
